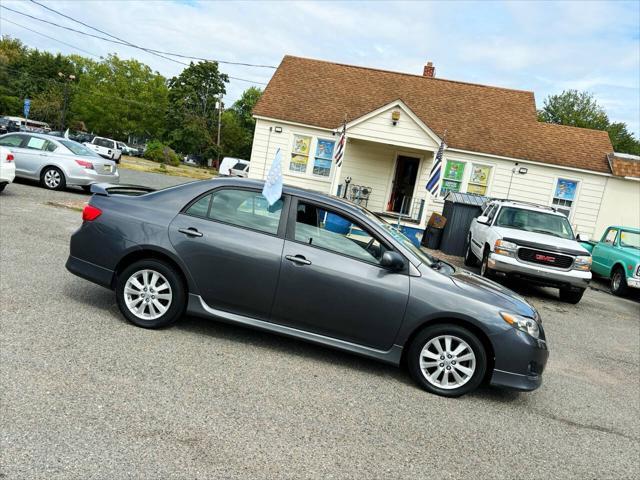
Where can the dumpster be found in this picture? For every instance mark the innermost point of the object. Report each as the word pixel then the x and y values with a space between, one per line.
pixel 459 210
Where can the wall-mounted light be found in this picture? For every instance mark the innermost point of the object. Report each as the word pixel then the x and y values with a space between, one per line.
pixel 523 170
pixel 395 117
pixel 278 129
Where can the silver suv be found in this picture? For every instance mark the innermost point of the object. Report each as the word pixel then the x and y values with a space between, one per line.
pixel 534 242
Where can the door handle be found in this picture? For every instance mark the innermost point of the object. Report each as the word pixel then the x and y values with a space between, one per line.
pixel 190 232
pixel 299 259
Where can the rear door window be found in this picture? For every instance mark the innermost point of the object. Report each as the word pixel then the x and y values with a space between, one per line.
pixel 37 143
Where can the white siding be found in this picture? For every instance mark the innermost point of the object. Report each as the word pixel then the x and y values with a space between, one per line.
pixel 620 205
pixel 380 129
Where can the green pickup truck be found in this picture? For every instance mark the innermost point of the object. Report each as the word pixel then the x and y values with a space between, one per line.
pixel 617 256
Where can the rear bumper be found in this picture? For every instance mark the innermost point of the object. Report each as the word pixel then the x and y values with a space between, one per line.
pixel 87 177
pixel 7 172
pixel 539 274
pixel 520 360
pixel 89 271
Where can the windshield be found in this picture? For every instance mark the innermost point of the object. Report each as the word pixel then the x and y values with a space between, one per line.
pixel 78 149
pixel 534 221
pixel 398 236
pixel 630 239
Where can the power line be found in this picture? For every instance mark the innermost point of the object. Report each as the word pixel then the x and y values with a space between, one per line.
pixel 50 38
pixel 151 50
pixel 118 42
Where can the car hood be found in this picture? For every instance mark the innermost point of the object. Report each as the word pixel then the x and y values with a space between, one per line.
pixel 488 291
pixel 540 238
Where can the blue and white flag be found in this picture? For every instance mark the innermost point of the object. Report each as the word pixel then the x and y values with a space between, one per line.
pixel 433 185
pixel 272 189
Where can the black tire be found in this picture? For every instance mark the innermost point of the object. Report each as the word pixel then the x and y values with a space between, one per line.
pixel 178 301
pixel 571 295
pixel 52 178
pixel 470 259
pixel 86 189
pixel 485 271
pixel 2 185
pixel 618 282
pixel 415 352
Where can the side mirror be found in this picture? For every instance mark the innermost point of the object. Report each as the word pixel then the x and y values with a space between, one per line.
pixel 582 237
pixel 483 219
pixel 392 260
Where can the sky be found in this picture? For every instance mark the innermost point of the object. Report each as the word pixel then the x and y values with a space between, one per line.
pixel 545 47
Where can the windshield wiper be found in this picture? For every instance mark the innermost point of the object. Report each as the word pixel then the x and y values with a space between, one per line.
pixel 546 232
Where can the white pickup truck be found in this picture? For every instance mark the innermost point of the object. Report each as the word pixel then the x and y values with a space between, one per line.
pixel 106 148
pixel 532 242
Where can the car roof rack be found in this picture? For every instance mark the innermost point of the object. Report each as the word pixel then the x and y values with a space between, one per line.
pixel 532 204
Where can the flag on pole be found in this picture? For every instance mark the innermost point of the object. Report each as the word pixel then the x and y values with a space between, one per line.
pixel 272 189
pixel 66 134
pixel 433 185
pixel 339 151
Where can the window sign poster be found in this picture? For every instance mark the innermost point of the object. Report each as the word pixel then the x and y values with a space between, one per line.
pixel 301 144
pixel 324 149
pixel 566 189
pixel 477 189
pixel 479 175
pixel 450 186
pixel 454 170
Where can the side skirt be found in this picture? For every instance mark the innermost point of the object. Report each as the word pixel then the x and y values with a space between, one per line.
pixel 198 307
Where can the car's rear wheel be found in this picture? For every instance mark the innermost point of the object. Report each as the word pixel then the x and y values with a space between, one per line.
pixel 571 295
pixel 53 178
pixel 150 294
pixel 618 282
pixel 485 270
pixel 447 360
pixel 470 259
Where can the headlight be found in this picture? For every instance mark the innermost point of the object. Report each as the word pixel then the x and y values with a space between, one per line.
pixel 582 263
pixel 505 248
pixel 527 325
pixel 638 271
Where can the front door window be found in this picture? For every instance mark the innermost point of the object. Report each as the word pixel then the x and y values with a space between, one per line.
pixel 404 183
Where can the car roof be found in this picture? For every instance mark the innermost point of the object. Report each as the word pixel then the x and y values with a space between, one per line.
pixel 628 229
pixel 528 206
pixel 46 136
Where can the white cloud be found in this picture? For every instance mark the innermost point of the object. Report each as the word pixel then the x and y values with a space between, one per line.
pixel 541 46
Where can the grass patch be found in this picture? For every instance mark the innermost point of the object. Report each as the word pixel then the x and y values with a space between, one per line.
pixel 77 205
pixel 143 165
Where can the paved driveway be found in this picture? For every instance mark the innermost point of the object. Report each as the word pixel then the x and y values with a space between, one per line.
pixel 86 395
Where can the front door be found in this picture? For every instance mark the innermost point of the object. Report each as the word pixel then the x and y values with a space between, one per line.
pixel 331 282
pixel 231 242
pixel 602 253
pixel 404 182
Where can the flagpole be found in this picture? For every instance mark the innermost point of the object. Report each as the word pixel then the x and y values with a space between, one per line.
pixel 338 168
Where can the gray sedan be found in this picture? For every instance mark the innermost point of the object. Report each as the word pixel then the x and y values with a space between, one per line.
pixel 309 266
pixel 58 162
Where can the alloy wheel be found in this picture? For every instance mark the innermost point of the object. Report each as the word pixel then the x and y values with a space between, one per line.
pixel 616 280
pixel 147 294
pixel 447 362
pixel 52 178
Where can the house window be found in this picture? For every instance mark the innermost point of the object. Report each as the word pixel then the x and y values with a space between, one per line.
pixel 453 175
pixel 324 157
pixel 565 195
pixel 300 153
pixel 479 179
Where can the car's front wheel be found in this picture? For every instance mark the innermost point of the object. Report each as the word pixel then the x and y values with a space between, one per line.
pixel 571 295
pixel 53 178
pixel 470 259
pixel 485 270
pixel 150 294
pixel 618 282
pixel 447 360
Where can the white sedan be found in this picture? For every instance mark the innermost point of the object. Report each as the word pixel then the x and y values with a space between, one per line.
pixel 7 167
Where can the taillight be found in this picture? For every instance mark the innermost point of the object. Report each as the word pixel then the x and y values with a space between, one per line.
pixel 85 164
pixel 10 157
pixel 90 213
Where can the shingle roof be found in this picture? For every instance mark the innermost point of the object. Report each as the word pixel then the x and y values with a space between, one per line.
pixel 624 165
pixel 477 118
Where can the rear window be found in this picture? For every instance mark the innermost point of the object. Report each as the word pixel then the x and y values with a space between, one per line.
pixel 77 148
pixel 240 166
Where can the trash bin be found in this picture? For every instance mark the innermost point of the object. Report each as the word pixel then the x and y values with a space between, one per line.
pixel 460 209
pixel 432 237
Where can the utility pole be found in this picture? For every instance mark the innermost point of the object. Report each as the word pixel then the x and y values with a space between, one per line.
pixel 220 106
pixel 65 102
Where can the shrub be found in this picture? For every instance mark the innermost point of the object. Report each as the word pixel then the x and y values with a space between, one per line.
pixel 161 153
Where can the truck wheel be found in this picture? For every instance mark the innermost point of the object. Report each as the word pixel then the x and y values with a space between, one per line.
pixel 618 282
pixel 485 271
pixel 571 296
pixel 470 259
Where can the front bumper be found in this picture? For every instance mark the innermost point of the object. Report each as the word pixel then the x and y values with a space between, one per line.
pixel 538 273
pixel 520 360
pixel 633 282
pixel 87 177
pixel 7 172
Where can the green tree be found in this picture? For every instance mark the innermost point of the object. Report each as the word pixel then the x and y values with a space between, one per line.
pixel 192 116
pixel 580 109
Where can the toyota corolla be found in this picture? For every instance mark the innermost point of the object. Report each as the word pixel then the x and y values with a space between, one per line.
pixel 310 266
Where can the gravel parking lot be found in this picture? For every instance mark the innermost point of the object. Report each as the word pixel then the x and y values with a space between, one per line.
pixel 86 395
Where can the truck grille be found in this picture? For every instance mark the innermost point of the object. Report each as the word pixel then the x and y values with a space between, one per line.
pixel 550 259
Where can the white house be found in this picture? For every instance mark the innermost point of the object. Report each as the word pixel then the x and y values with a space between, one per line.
pixel 395 123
